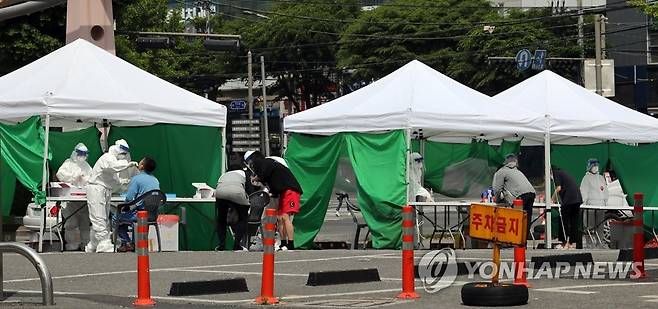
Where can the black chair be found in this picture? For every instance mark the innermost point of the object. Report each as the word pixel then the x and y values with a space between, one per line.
pixel 258 201
pixel 152 201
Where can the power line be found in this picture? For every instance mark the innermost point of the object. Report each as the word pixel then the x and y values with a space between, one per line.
pixel 597 9
pixel 423 6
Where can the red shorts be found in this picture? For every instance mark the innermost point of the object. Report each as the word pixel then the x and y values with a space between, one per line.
pixel 289 202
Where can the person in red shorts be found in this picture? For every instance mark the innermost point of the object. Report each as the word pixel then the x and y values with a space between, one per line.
pixel 282 184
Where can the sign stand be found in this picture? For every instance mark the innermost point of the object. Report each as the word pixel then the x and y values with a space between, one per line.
pixel 498 225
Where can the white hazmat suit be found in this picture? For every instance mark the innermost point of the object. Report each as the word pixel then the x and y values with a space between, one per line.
pixel 416 179
pixel 103 181
pixel 594 190
pixel 76 171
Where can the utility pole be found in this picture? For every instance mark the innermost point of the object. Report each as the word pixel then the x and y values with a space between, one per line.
pixel 265 125
pixel 597 47
pixel 250 87
pixel 581 21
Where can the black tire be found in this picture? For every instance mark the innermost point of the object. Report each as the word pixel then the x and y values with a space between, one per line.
pixel 485 294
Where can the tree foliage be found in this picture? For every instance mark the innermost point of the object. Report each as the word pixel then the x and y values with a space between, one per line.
pixel 27 38
pixel 448 35
pixel 299 52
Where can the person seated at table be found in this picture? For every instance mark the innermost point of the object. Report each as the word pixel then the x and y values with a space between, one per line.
pixel 139 184
pixel 232 193
pixel 76 171
pixel 510 183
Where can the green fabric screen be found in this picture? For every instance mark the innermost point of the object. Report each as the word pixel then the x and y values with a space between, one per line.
pixel 184 154
pixel 61 145
pixel 635 166
pixel 573 159
pixel 381 181
pixel 21 149
pixel 313 160
pixel 379 162
pixel 441 156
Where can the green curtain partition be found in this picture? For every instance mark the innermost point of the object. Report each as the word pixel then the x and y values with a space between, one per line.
pixel 21 149
pixel 573 159
pixel 313 160
pixel 637 167
pixel 61 145
pixel 441 156
pixel 379 162
pixel 184 154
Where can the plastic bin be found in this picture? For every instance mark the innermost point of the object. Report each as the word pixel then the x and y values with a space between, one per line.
pixel 621 234
pixel 168 234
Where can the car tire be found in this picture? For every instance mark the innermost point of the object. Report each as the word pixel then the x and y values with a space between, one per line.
pixel 486 294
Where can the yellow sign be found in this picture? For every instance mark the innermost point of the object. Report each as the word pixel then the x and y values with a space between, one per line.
pixel 498 224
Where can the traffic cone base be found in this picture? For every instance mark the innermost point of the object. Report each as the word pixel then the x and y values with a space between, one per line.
pixel 263 300
pixel 408 295
pixel 526 284
pixel 144 302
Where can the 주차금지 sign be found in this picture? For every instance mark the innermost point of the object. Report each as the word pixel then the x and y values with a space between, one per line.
pixel 498 224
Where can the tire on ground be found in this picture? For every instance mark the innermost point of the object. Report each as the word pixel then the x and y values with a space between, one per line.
pixel 487 295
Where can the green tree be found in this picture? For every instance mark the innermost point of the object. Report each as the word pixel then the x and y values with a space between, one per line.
pixel 651 8
pixel 186 63
pixel 28 38
pixel 448 35
pixel 298 43
pixel 515 31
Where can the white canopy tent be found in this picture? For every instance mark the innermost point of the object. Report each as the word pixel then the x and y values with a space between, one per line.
pixel 83 83
pixel 413 98
pixel 574 115
pixel 416 97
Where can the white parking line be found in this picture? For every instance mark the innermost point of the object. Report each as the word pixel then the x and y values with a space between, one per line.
pixel 254 273
pixel 652 298
pixel 570 289
pixel 196 267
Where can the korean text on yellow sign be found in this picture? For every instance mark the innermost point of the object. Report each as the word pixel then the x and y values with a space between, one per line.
pixel 505 225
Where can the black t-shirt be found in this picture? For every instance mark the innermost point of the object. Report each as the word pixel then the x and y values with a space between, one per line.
pixel 570 191
pixel 277 177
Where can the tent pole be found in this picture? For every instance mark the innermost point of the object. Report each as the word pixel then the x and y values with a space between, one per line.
pixel 422 154
pixel 547 182
pixel 408 160
pixel 223 161
pixel 44 179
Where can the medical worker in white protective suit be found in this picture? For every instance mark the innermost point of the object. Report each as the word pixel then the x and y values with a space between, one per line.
pixel 76 171
pixel 418 192
pixel 103 181
pixel 594 190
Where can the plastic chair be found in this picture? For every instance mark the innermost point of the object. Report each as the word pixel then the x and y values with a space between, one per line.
pixel 152 201
pixel 258 201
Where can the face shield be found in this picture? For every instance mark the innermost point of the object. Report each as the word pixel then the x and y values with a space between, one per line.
pixel 80 155
pixel 593 166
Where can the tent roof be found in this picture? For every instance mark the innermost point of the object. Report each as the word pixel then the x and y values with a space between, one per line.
pixel 82 81
pixel 418 97
pixel 577 115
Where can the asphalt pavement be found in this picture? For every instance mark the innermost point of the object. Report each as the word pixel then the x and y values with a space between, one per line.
pixel 109 280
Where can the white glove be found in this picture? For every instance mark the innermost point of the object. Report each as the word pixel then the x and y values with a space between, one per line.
pixel 133 164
